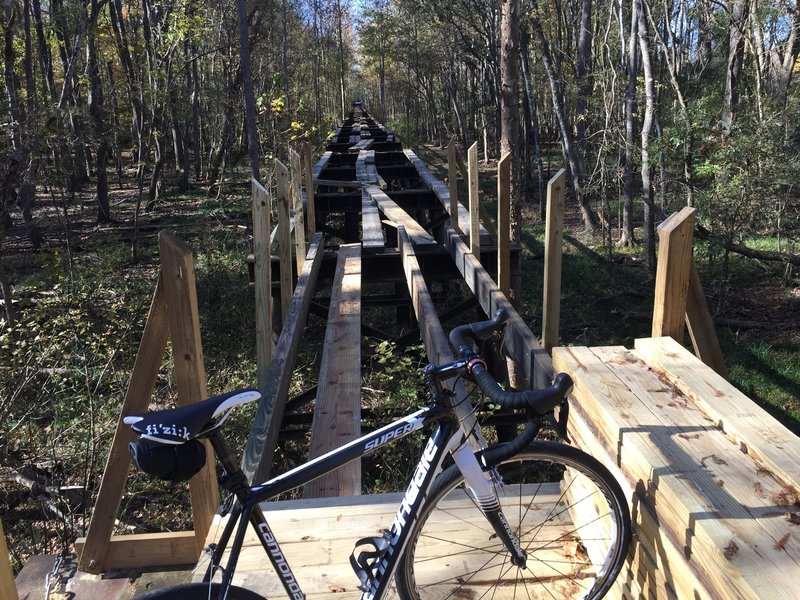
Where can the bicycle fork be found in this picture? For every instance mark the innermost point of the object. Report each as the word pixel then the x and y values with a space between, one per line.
pixel 482 485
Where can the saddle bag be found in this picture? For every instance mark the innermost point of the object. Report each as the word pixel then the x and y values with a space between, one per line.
pixel 171 462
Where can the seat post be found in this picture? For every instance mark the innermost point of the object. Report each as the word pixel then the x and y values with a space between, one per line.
pixel 234 479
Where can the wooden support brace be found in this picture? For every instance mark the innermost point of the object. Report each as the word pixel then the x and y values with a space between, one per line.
pixel 284 236
pixel 308 179
pixel 296 189
pixel 701 325
pixel 554 234
pixel 504 225
pixel 672 275
pixel 474 202
pixel 260 446
pixel 452 182
pixel 262 255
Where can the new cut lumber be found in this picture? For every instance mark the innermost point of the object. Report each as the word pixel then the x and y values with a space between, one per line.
pixel 8 590
pixel 337 412
pixel 148 550
pixel 732 515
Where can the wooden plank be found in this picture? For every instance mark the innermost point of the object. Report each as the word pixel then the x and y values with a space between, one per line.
pixel 321 164
pixel 337 412
pixel 486 219
pixel 148 550
pixel 431 331
pixel 701 325
pixel 519 341
pixel 452 184
pixel 371 228
pixel 284 236
pixel 137 397
pixel 554 236
pixel 698 483
pixel 390 208
pixel 442 192
pixel 749 426
pixel 672 275
pixel 474 202
pixel 177 272
pixel 308 179
pixel 8 589
pixel 338 183
pixel 260 445
pixel 262 263
pixel 504 225
pixel 296 189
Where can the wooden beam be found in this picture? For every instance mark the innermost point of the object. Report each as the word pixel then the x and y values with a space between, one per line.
pixel 8 589
pixel 452 184
pixel 504 225
pixel 137 397
pixel 520 342
pixel 430 327
pixel 338 183
pixel 296 189
pixel 371 228
pixel 262 257
pixel 672 275
pixel 284 236
pixel 474 202
pixel 486 218
pixel 337 411
pixel 139 550
pixel 554 236
pixel 321 164
pixel 701 325
pixel 390 208
pixel 260 445
pixel 190 375
pixel 308 178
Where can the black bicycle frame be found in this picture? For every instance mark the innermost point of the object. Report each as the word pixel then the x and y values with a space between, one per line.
pixel 247 509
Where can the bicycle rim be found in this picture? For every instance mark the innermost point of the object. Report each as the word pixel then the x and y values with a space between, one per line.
pixel 568 511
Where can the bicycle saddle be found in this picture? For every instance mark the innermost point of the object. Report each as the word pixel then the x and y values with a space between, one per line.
pixel 179 425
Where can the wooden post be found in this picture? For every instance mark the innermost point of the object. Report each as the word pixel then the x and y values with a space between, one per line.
pixel 485 147
pixel 452 183
pixel 504 225
pixel 474 201
pixel 308 172
pixel 554 233
pixel 675 237
pixel 8 589
pixel 284 237
pixel 262 255
pixel 177 271
pixel 299 213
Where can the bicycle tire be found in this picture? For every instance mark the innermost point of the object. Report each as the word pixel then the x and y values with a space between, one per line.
pixel 199 591
pixel 569 512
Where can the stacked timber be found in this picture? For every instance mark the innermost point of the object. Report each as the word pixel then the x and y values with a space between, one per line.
pixel 712 479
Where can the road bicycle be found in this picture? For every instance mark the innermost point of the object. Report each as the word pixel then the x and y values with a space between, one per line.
pixel 520 519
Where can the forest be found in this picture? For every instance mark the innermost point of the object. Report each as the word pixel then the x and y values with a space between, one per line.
pixel 122 117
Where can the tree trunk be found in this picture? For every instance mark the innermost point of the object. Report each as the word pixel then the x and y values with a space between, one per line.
pixel 533 123
pixel 627 237
pixel 577 165
pixel 730 98
pixel 247 88
pixel 96 112
pixel 647 124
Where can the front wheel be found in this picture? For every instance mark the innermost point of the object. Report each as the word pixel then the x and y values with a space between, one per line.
pixel 200 591
pixel 568 511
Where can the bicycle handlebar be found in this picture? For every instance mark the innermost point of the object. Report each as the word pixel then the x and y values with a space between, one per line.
pixel 542 401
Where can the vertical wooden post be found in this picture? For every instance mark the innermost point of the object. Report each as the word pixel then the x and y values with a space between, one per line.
pixel 675 237
pixel 474 201
pixel 554 233
pixel 263 280
pixel 284 237
pixel 504 225
pixel 452 183
pixel 299 212
pixel 485 146
pixel 177 272
pixel 8 589
pixel 308 172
